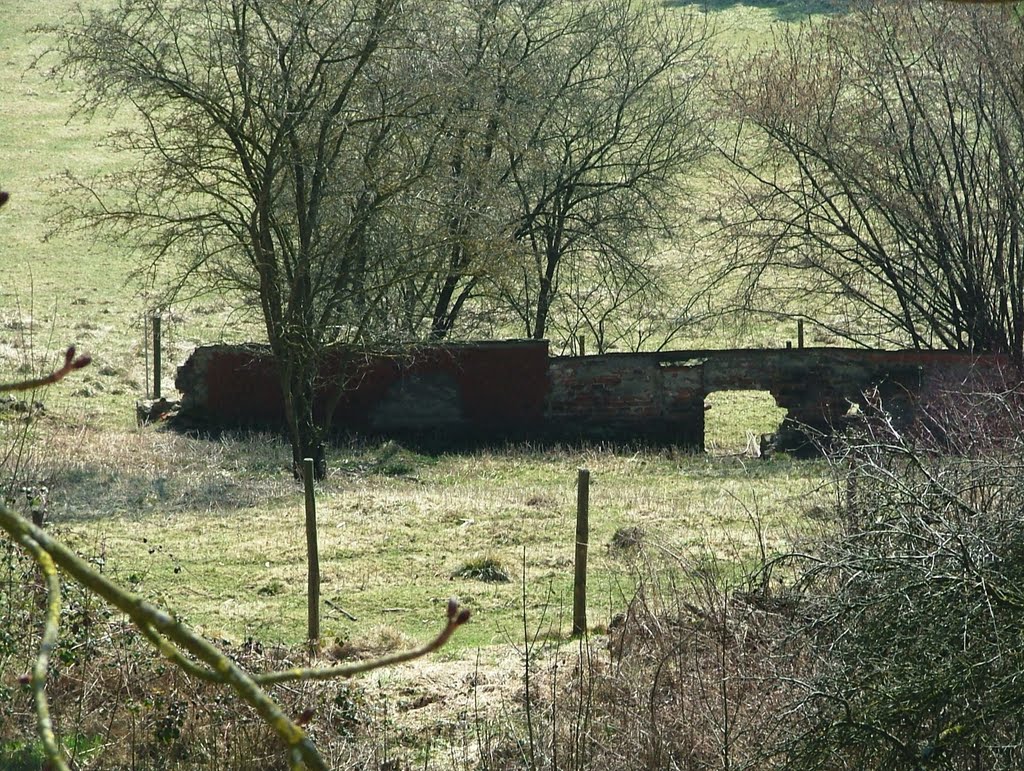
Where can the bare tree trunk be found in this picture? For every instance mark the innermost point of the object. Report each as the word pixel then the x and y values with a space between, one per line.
pixel 304 433
pixel 545 294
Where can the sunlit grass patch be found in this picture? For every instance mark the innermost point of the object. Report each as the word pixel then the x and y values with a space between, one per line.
pixel 735 420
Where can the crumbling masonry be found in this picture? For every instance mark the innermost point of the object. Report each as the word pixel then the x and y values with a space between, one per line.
pixel 513 390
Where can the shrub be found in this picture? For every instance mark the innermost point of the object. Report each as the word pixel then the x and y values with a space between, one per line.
pixel 915 608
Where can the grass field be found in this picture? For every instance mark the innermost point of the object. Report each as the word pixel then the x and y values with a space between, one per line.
pixel 213 527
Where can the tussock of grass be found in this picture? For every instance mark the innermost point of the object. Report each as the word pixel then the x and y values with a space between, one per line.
pixel 382 639
pixel 487 569
pixel 390 459
pixel 627 539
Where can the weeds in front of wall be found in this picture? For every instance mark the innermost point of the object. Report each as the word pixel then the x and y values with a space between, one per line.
pixel 692 674
pixel 546 720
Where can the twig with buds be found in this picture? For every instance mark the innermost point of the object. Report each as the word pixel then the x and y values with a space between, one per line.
pixel 71 363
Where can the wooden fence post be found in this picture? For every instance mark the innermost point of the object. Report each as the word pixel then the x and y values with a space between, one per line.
pixel 145 351
pixel 579 587
pixel 156 356
pixel 312 555
pixel 799 333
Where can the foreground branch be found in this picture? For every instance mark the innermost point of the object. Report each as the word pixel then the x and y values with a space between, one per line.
pixel 71 363
pixel 46 646
pixel 171 637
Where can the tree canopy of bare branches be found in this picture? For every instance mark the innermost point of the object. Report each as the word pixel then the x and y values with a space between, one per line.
pixel 269 140
pixel 614 118
pixel 882 154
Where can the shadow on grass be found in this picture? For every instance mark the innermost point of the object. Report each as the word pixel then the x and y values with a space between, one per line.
pixel 90 493
pixel 164 473
pixel 136 474
pixel 210 472
pixel 784 10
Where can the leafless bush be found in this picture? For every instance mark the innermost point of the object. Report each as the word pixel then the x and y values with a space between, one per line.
pixel 694 674
pixel 701 665
pixel 916 605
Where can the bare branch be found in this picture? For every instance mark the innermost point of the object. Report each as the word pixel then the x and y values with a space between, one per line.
pixel 71 363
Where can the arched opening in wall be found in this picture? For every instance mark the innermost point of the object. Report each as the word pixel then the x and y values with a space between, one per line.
pixel 734 421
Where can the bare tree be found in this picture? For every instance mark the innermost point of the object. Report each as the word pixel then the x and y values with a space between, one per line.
pixel 595 164
pixel 881 154
pixel 166 633
pixel 270 146
pixel 571 126
pixel 616 305
pixel 368 171
pixel 453 225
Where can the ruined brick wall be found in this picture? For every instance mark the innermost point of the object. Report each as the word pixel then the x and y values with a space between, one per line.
pixel 627 397
pixel 818 385
pixel 660 396
pixel 491 388
pixel 230 385
pixel 470 389
pixel 513 390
